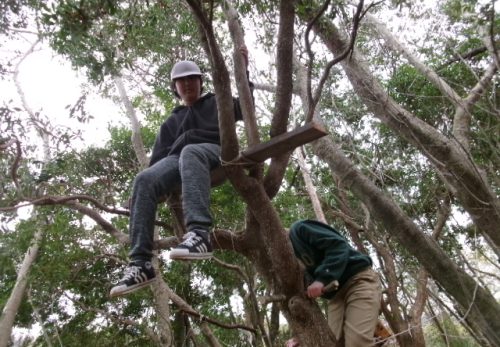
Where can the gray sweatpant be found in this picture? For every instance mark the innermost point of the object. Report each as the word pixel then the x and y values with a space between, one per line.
pixel 191 169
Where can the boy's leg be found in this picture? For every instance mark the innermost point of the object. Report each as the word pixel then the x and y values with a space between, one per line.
pixel 149 186
pixel 336 311
pixel 362 309
pixel 196 162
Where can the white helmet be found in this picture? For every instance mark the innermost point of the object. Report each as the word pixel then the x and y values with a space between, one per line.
pixel 184 68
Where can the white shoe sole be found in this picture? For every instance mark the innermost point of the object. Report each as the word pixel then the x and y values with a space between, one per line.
pixel 118 292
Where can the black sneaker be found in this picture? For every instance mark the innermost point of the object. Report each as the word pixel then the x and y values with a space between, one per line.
pixel 196 245
pixel 137 275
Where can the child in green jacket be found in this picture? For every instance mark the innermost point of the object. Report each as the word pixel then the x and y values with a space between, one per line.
pixel 342 275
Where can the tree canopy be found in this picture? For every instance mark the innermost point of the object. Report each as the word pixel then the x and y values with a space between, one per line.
pixel 409 170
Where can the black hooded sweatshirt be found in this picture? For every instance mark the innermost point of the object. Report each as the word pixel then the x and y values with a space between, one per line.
pixel 198 123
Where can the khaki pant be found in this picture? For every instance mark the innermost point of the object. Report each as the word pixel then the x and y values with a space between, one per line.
pixel 353 312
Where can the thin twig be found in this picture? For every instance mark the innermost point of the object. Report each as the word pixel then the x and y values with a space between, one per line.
pixel 358 15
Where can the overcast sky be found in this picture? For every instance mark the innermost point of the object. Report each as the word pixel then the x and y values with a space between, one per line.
pixel 49 85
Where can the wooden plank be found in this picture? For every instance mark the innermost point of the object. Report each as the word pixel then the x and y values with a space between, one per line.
pixel 283 143
pixel 277 145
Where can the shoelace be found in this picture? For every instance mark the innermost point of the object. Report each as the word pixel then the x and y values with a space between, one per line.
pixel 131 272
pixel 190 239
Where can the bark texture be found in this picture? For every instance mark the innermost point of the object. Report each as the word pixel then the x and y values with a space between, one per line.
pixel 10 309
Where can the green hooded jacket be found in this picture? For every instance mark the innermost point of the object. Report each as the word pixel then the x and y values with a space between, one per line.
pixel 326 254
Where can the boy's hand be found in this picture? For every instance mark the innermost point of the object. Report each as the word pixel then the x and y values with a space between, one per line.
pixel 315 289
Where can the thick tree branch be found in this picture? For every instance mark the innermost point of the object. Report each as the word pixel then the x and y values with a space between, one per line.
pixel 108 227
pixel 137 142
pixel 270 229
pixel 464 56
pixel 209 335
pixel 284 90
pixel 463 115
pixel 71 201
pixel 463 107
pixel 41 128
pixel 308 80
pixel 240 70
pixel 222 86
pixel 311 189
pixel 284 68
pixel 455 165
pixel 489 39
pixel 430 74
pixel 12 304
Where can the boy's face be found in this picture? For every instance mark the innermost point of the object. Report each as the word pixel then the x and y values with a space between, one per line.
pixel 188 88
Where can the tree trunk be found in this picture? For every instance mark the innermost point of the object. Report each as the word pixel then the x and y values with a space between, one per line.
pixel 10 309
pixel 161 296
pixel 134 122
pixel 274 257
pixel 162 304
pixel 311 189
